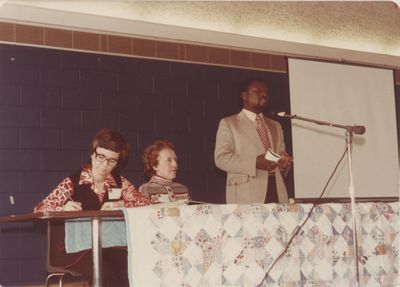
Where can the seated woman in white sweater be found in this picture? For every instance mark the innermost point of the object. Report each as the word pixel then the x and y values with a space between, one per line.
pixel 160 165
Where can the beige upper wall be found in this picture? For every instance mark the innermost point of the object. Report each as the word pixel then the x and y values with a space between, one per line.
pixel 359 32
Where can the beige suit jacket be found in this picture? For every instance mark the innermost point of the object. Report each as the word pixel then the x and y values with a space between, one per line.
pixel 236 149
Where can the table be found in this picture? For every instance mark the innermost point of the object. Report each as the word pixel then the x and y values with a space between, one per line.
pixel 95 218
pixel 234 245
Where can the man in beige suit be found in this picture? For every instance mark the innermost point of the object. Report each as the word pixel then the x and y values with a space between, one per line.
pixel 240 150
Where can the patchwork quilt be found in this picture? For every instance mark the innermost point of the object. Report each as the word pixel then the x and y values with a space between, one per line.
pixel 247 245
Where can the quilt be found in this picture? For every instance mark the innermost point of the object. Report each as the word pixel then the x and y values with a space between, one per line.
pixel 247 245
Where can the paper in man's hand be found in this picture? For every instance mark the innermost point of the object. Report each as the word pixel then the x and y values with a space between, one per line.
pixel 272 156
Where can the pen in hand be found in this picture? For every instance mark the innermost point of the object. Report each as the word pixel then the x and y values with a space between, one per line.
pixel 67 195
pixel 71 205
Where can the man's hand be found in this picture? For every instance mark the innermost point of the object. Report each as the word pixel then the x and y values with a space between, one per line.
pixel 262 163
pixel 285 162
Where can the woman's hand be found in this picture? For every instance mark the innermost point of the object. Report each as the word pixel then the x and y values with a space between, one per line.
pixel 72 206
pixel 110 205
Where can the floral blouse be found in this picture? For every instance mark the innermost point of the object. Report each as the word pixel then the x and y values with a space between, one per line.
pixel 61 194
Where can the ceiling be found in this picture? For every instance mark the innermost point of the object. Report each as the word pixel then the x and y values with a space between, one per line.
pixel 354 31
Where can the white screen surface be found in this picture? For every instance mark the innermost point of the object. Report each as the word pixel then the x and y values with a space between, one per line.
pixel 345 95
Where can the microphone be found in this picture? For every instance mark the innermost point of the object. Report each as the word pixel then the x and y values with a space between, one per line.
pixel 358 130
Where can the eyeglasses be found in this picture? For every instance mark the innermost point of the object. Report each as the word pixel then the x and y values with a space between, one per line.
pixel 102 158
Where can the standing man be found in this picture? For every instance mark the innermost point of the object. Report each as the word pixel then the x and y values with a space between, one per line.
pixel 241 145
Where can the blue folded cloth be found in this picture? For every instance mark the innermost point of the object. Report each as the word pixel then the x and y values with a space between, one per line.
pixel 78 233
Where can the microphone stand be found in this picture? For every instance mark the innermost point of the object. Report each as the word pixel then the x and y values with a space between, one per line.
pixel 349 140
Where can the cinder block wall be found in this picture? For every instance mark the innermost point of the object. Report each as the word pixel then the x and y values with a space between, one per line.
pixel 52 102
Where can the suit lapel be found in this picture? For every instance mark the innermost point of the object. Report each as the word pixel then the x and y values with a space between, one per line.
pixel 249 130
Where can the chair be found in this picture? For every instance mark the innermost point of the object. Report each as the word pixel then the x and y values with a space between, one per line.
pixel 57 261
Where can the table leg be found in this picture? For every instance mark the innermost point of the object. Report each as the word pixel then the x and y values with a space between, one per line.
pixel 97 254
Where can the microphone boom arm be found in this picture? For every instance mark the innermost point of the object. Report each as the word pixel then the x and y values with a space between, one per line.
pixel 354 129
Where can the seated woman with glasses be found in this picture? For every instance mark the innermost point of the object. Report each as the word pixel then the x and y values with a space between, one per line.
pixel 97 186
pixel 91 187
pixel 160 165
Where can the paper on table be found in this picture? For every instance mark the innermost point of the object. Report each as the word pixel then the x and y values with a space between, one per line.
pixel 171 204
pixel 270 155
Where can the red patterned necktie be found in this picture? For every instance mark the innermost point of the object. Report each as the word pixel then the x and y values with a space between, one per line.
pixel 262 132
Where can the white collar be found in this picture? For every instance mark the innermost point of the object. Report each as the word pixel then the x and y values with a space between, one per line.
pixel 251 115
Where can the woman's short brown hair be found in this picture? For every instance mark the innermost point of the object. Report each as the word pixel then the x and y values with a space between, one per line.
pixel 114 141
pixel 151 153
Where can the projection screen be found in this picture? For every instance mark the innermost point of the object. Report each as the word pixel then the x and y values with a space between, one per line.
pixel 345 95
